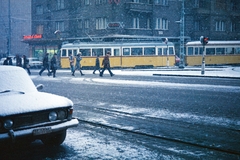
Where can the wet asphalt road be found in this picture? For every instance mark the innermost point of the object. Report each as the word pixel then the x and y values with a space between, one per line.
pixel 136 117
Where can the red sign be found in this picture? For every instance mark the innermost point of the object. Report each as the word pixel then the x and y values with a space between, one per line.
pixel 115 25
pixel 33 36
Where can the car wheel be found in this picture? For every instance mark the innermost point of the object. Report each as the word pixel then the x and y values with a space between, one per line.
pixel 55 139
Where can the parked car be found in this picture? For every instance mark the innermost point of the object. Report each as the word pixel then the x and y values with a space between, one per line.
pixel 27 114
pixel 35 63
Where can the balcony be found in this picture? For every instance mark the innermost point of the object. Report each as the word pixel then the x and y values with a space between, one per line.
pixel 139 7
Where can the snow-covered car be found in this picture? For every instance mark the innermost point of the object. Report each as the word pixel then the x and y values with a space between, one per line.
pixel 27 114
pixel 35 63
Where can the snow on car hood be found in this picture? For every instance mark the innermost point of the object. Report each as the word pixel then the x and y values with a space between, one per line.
pixel 16 103
pixel 15 78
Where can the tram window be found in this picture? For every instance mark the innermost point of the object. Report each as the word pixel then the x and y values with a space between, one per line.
pixel 116 52
pixel 220 50
pixel 190 50
pixel 85 52
pixel 126 51
pixel 136 51
pixel 164 51
pixel 210 51
pixel 159 51
pixel 107 50
pixel 201 51
pixel 69 52
pixel 97 51
pixel 237 50
pixel 149 51
pixel 64 53
pixel 74 52
pixel 171 51
pixel 196 51
pixel 229 50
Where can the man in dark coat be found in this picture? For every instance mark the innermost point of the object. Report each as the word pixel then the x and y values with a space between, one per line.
pixel 106 65
pixel 97 65
pixel 26 64
pixel 54 65
pixel 18 61
pixel 45 65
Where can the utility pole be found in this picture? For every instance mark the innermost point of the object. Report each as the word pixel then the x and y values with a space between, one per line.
pixel 182 21
pixel 9 29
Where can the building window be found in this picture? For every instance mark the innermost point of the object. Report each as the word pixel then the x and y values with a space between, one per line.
pixel 101 23
pixel 60 4
pixel 60 26
pixel 80 24
pixel 197 26
pixel 86 23
pixel 86 2
pixel 39 29
pixel 233 27
pixel 136 23
pixel 39 9
pixel 162 23
pixel 161 2
pixel 220 26
pixel 148 23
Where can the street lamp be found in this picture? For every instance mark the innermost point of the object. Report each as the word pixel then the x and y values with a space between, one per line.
pixel 166 42
pixel 182 63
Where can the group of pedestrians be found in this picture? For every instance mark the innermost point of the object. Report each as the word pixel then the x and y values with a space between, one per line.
pixel 75 66
pixel 46 65
pixel 25 64
pixel 105 63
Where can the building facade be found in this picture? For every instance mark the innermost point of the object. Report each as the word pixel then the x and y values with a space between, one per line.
pixel 58 21
pixel 15 21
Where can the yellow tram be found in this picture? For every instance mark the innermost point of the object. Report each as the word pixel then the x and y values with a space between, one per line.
pixel 217 53
pixel 123 54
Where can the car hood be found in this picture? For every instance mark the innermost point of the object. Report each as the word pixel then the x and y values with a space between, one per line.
pixel 16 103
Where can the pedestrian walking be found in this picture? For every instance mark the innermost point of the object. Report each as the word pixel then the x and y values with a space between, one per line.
pixel 18 61
pixel 97 65
pixel 45 65
pixel 71 61
pixel 54 65
pixel 78 65
pixel 5 62
pixel 26 64
pixel 106 65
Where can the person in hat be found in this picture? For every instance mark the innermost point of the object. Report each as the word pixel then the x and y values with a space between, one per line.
pixel 54 65
pixel 71 61
pixel 78 65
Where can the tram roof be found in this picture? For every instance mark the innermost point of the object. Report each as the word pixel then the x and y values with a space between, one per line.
pixel 214 43
pixel 114 44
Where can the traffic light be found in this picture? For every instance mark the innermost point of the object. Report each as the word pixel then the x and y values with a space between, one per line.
pixel 205 40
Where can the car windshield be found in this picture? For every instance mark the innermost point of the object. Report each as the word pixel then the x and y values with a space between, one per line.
pixel 17 80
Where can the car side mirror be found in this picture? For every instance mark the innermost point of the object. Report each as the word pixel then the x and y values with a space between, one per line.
pixel 39 87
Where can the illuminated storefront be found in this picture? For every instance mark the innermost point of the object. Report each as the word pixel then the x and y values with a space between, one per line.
pixel 38 46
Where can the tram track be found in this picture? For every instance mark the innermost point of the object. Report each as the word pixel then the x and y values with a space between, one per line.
pixel 163 129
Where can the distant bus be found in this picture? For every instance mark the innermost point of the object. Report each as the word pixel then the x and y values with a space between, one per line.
pixel 123 55
pixel 217 53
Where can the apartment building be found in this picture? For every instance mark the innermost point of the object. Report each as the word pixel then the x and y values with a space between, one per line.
pixel 58 21
pixel 15 22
